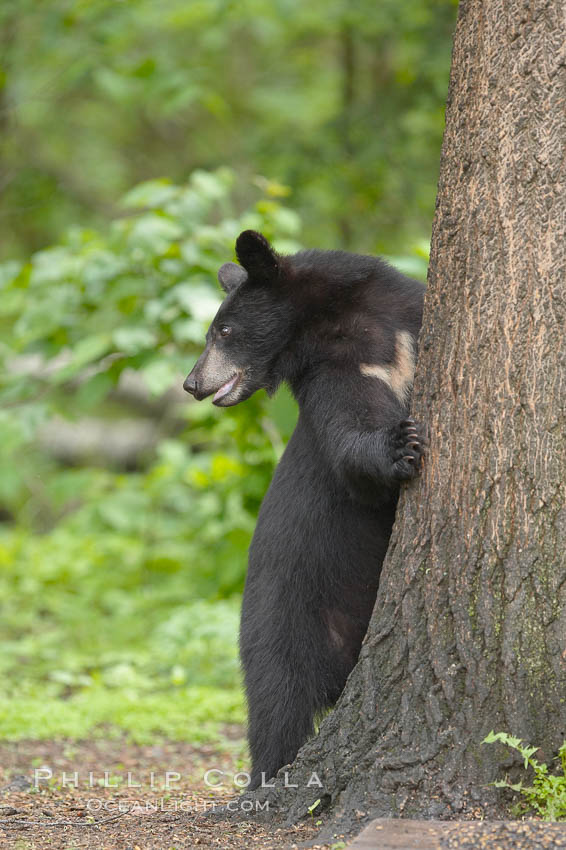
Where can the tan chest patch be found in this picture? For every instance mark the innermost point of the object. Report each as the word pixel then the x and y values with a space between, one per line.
pixel 399 374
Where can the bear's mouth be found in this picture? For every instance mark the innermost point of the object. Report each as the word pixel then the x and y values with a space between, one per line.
pixel 226 388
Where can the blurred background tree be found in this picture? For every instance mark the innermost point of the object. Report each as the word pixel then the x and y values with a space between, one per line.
pixel 342 102
pixel 126 509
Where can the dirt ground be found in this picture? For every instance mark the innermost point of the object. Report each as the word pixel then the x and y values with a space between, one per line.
pixel 113 795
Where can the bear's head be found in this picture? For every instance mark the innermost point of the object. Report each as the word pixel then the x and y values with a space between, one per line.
pixel 250 330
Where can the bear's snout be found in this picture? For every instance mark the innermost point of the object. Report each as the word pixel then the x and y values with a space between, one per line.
pixel 190 384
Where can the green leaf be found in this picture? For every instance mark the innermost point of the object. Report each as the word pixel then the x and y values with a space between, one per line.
pixel 131 340
pixel 188 330
pixel 9 272
pixel 210 185
pixel 197 299
pixel 85 352
pixel 314 806
pixel 152 193
pixel 160 375
pixel 154 234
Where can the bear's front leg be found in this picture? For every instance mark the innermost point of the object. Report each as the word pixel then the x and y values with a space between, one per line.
pixel 367 439
pixel 372 464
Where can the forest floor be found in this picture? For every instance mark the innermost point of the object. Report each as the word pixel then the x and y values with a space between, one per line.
pixel 115 795
pixel 111 794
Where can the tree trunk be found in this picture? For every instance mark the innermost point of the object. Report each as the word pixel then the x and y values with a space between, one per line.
pixel 469 628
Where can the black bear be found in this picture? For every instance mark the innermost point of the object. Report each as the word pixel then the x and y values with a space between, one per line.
pixel 341 329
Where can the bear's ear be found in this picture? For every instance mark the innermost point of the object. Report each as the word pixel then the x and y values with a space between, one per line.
pixel 257 257
pixel 230 276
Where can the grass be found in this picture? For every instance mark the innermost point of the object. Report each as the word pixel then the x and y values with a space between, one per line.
pixel 111 648
pixel 192 714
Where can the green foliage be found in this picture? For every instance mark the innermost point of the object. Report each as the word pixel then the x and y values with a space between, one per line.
pixel 120 587
pixel 136 300
pixel 547 795
pixel 343 102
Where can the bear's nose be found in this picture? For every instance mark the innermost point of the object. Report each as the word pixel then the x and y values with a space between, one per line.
pixel 190 385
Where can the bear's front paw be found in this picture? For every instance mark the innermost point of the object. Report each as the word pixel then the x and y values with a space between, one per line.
pixel 409 441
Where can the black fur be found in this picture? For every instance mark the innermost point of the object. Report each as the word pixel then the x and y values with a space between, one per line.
pixel 311 319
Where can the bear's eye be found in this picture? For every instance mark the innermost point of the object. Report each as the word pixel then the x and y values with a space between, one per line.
pixel 225 330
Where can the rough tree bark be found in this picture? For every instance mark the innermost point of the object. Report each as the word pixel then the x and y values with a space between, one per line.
pixel 469 629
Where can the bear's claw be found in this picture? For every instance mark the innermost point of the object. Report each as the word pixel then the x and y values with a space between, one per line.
pixel 408 444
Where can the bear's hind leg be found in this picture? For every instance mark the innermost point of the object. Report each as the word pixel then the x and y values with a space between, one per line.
pixel 282 706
